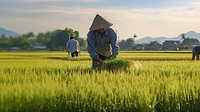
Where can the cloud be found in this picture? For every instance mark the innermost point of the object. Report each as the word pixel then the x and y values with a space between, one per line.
pixel 89 0
pixel 31 1
pixel 170 21
pixel 83 1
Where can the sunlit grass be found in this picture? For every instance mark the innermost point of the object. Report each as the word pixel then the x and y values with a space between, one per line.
pixel 33 82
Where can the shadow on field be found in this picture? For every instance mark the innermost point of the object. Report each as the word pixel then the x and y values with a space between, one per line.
pixel 161 59
pixel 129 58
pixel 68 59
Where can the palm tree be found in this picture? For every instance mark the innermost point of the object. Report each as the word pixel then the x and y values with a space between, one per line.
pixel 183 36
pixel 135 36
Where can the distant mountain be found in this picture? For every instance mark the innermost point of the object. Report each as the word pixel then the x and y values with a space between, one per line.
pixel 190 34
pixel 151 39
pixel 8 33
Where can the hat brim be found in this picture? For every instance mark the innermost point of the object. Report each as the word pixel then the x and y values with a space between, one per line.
pixel 99 23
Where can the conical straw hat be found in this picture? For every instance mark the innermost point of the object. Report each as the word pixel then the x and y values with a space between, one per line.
pixel 99 23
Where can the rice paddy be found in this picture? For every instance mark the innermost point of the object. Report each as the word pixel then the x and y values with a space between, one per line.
pixel 52 82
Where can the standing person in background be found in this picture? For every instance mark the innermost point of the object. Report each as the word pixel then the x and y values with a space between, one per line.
pixel 73 47
pixel 195 52
pixel 101 41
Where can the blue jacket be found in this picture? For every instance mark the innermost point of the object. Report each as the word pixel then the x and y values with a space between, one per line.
pixel 197 49
pixel 105 45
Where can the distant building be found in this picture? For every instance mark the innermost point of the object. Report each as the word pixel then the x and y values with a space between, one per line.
pixel 153 46
pixel 37 48
pixel 139 47
pixel 14 49
pixel 171 45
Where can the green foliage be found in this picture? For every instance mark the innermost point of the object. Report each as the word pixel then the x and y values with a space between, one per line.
pixel 59 40
pixel 21 42
pixel 54 40
pixel 4 42
pixel 126 45
pixel 82 42
pixel 190 42
pixel 29 35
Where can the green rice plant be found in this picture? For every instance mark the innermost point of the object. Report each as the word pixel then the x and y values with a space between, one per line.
pixel 36 82
pixel 116 64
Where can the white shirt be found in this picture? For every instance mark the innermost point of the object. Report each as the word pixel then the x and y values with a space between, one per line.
pixel 72 45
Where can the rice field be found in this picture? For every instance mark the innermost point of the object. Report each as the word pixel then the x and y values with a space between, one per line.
pixel 52 82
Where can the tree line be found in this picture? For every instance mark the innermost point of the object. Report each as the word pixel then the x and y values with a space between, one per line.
pixel 186 43
pixel 56 41
pixel 53 40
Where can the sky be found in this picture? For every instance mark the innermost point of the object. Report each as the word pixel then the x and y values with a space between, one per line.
pixel 154 18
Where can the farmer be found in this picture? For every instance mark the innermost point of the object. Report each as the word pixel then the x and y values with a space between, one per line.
pixel 101 42
pixel 195 52
pixel 72 46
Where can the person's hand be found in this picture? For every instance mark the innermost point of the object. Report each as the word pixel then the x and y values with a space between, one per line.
pixel 111 57
pixel 114 57
pixel 96 58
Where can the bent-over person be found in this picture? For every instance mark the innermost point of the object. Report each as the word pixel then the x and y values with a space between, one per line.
pixel 101 42
pixel 195 52
pixel 72 46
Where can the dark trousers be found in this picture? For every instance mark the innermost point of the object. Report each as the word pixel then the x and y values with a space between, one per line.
pixel 195 54
pixel 74 54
